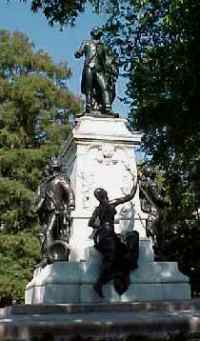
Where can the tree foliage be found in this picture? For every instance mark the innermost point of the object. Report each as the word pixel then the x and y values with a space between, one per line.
pixel 34 104
pixel 63 12
pixel 19 254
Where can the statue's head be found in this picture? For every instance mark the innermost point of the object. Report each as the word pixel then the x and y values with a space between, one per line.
pixel 96 33
pixel 54 165
pixel 101 194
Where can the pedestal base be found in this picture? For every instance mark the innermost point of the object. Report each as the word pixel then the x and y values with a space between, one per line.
pixel 72 282
pixel 149 321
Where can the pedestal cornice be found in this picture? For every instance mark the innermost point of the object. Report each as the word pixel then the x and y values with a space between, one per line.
pixel 92 129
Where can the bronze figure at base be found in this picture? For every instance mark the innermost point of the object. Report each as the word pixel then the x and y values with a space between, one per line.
pixel 120 254
pixel 54 203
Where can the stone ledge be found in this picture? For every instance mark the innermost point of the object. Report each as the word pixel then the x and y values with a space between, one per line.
pixel 147 306
pixel 78 273
pixel 136 292
pixel 72 282
pixel 97 128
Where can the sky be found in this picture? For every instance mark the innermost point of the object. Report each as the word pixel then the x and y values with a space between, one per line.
pixel 61 45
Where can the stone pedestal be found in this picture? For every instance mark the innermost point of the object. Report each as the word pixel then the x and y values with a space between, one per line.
pixel 72 282
pixel 101 153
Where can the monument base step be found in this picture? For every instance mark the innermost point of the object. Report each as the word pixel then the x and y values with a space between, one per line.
pixel 72 282
pixel 151 320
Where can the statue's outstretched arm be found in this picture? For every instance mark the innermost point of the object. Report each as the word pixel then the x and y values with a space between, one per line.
pixel 126 197
pixel 79 53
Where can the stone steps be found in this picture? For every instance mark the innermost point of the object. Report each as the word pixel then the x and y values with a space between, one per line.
pixel 151 320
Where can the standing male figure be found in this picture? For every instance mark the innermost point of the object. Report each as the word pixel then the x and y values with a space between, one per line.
pixel 55 200
pixel 99 73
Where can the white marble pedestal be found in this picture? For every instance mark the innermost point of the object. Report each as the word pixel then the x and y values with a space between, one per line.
pixel 72 282
pixel 101 153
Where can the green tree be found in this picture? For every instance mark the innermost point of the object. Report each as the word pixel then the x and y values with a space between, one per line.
pixel 34 104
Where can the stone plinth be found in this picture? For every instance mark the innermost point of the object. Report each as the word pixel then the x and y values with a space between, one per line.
pixel 63 282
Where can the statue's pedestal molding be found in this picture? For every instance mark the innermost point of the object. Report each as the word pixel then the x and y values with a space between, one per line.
pixel 101 153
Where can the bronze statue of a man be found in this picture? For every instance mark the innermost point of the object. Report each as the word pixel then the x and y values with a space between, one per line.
pixel 120 255
pixel 55 201
pixel 99 74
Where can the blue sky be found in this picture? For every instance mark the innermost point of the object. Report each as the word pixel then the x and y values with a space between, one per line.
pixel 16 16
